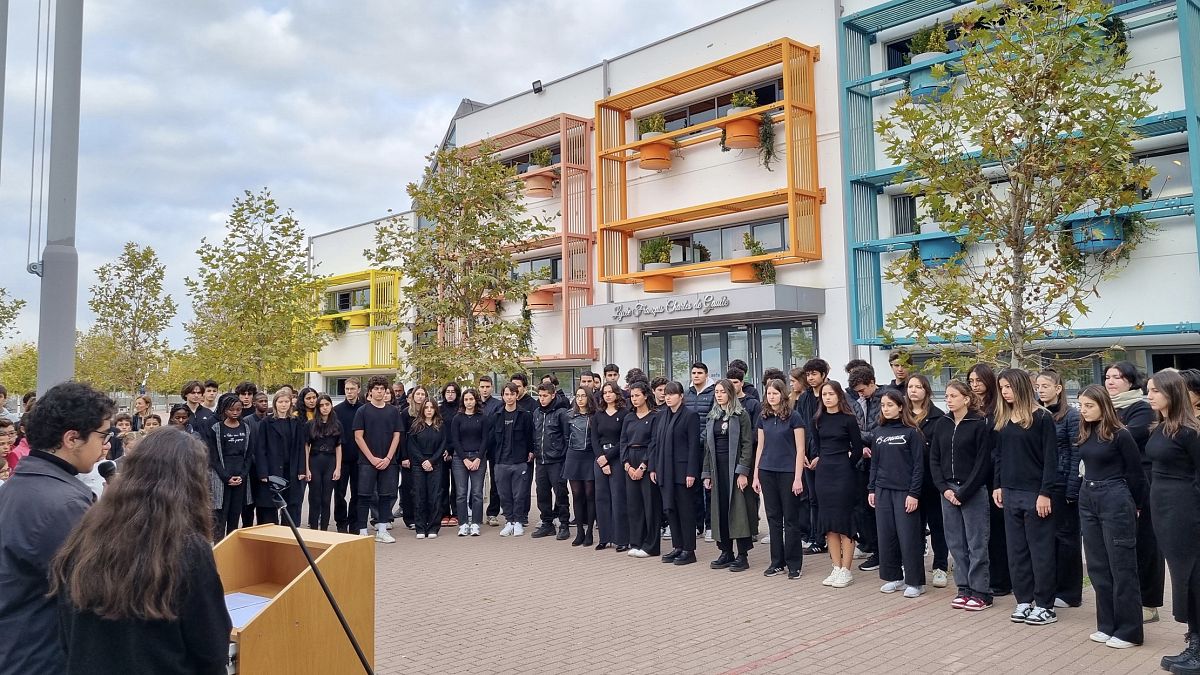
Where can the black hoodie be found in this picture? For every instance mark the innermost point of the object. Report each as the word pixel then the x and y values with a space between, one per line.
pixel 960 455
pixel 896 458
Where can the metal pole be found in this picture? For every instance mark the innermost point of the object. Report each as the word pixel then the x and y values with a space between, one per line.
pixel 3 60
pixel 60 260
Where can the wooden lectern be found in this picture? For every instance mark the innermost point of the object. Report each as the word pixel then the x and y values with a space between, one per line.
pixel 293 629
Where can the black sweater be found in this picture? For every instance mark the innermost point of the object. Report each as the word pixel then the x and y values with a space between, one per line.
pixel 897 459
pixel 838 433
pixel 1027 459
pixel 637 434
pixel 467 435
pixel 960 455
pixel 1137 418
pixel 510 436
pixel 606 435
pixel 1115 459
pixel 428 443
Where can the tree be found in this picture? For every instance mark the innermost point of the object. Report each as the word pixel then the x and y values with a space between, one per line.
pixel 132 311
pixel 458 269
pixel 10 307
pixel 18 368
pixel 254 297
pixel 94 362
pixel 1039 126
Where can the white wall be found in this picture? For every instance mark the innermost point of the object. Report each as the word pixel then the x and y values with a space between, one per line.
pixel 341 251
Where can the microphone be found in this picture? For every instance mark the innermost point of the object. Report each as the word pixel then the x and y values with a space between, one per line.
pixel 107 469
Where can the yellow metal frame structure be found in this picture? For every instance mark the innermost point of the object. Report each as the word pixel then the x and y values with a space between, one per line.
pixel 803 196
pixel 379 318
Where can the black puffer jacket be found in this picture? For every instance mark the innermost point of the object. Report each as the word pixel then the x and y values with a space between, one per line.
pixel 1066 431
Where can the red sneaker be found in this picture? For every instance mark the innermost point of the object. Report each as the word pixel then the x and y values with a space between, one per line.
pixel 975 605
pixel 959 602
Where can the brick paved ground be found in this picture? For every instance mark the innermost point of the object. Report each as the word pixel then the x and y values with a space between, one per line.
pixel 520 605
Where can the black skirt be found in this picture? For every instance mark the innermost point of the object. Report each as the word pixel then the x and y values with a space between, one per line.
pixel 1175 504
pixel 836 485
pixel 578 465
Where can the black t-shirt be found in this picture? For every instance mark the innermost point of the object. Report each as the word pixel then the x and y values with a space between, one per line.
pixel 233 448
pixel 378 425
pixel 779 442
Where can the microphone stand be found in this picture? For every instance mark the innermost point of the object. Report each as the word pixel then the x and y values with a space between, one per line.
pixel 277 486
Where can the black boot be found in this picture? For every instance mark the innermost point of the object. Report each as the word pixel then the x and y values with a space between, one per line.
pixel 564 531
pixel 580 533
pixel 587 538
pixel 1190 664
pixel 543 530
pixel 739 564
pixel 1188 652
pixel 722 561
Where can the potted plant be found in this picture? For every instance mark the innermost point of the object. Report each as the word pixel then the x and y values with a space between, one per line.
pixel 742 133
pixel 339 326
pixel 654 156
pixel 762 271
pixel 926 45
pixel 655 254
pixel 541 184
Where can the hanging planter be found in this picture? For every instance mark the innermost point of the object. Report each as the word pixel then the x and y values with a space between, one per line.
pixel 655 254
pixel 360 320
pixel 654 156
pixel 540 300
pixel 743 132
pixel 1098 235
pixel 540 185
pixel 927 45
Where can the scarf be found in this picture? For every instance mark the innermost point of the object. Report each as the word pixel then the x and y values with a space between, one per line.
pixel 1127 398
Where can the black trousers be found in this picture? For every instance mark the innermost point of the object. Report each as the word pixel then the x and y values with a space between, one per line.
pixel 320 489
pixel 1108 519
pixel 1152 568
pixel 681 516
pixel 864 515
pixel 447 503
pixel 810 489
pixel 493 502
pixel 644 506
pixel 232 503
pixel 1068 549
pixel 347 484
pixel 266 515
pixel 901 539
pixel 998 549
pixel 786 520
pixel 380 485
pixel 1030 548
pixel 407 496
pixel 931 519
pixel 295 499
pixel 427 499
pixel 552 499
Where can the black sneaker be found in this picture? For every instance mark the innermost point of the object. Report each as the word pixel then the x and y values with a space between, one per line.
pixel 543 530
pixel 815 549
pixel 870 564
pixel 793 574
pixel 722 562
pixel 1040 616
pixel 772 571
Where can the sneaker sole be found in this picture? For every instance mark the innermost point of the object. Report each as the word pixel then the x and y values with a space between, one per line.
pixel 976 609
pixel 1017 619
pixel 1046 622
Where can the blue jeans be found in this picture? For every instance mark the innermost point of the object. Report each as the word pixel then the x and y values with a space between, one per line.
pixel 468 491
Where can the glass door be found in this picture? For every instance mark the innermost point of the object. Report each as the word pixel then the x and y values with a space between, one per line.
pixel 668 354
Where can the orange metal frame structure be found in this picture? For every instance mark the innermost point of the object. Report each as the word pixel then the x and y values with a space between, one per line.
pixel 575 237
pixel 802 195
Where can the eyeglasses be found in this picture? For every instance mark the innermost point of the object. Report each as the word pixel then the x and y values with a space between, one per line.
pixel 108 434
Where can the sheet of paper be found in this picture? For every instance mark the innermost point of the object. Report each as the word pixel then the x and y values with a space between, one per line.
pixel 243 607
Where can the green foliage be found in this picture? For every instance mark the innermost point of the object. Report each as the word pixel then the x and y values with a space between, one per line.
pixel 10 307
pixel 461 259
pixel 656 250
pixel 656 123
pixel 541 157
pixel 339 325
pixel 1045 100
pixel 256 302
pixel 743 99
pixel 766 142
pixel 764 269
pixel 928 39
pixel 18 368
pixel 131 314
pixel 93 362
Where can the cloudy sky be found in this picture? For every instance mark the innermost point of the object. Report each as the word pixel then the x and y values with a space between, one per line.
pixel 333 105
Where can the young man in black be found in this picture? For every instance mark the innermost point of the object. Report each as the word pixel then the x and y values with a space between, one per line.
pixel 560 399
pixel 202 418
pixel 490 405
pixel 246 392
pixel 511 447
pixel 811 376
pixel 378 429
pixel 550 432
pixel 899 362
pixel 347 483
pixel 211 389
pixel 866 408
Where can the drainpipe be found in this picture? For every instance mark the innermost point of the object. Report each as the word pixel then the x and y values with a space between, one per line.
pixel 609 348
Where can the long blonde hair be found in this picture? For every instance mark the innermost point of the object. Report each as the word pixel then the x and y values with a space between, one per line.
pixel 1024 401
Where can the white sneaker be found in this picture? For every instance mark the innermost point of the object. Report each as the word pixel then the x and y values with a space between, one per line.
pixel 1118 643
pixel 1059 603
pixel 638 553
pixel 891 587
pixel 766 539
pixel 940 579
pixel 474 530
pixel 708 536
pixel 464 530
pixel 508 530
pixel 665 533
pixel 518 529
pixel 832 577
pixel 420 535
pixel 1099 636
pixel 844 579
pixel 383 537
pixel 632 553
pixel 914 591
pixel 364 533
pixel 859 554
pixel 432 535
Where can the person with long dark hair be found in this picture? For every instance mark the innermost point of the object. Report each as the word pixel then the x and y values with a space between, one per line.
pixel 577 467
pixel 960 458
pixel 925 415
pixel 323 461
pixel 1125 386
pixel 426 449
pixel 982 380
pixel 645 508
pixel 468 433
pixel 1112 493
pixel 611 519
pixel 1064 501
pixel 840 446
pixel 894 491
pixel 675 465
pixel 409 413
pixel 164 611
pixel 231 444
pixel 306 404
pixel 1191 378
pixel 778 469
pixel 1174 449
pixel 728 465
pixel 448 408
pixel 279 451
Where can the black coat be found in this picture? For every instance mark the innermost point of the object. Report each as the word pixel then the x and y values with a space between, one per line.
pixel 676 453
pixel 278 451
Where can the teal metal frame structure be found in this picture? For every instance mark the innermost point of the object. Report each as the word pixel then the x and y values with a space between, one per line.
pixel 862 181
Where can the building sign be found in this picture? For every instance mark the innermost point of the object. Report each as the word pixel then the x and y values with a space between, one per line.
pixel 649 309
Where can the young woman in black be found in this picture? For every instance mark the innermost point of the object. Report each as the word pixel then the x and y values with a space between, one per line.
pixel 894 490
pixel 230 448
pixel 982 380
pixel 1191 378
pixel 728 463
pixel 577 466
pixel 408 416
pixel 306 404
pixel 1025 461
pixel 447 504
pixel 644 502
pixel 323 462
pixel 468 432
pixel 840 446
pixel 1113 491
pixel 1064 502
pixel 925 415
pixel 279 451
pixel 1174 449
pixel 1125 386
pixel 779 465
pixel 675 464
pixel 610 485
pixel 426 449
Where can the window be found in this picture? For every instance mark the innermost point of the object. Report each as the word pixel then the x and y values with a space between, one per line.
pixel 545 270
pixel 896 53
pixel 709 109
pixel 727 243
pixel 344 301
pixel 904 215
pixel 1173 176
pixel 521 161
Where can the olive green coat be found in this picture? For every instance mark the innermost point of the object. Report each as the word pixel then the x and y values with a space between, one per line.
pixel 742 504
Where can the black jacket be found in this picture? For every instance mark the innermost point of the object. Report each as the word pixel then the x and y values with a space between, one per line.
pixel 510 443
pixel 1066 432
pixel 550 433
pixel 345 412
pixel 579 432
pixel 202 421
pixel 960 453
pixel 278 451
pixel 700 402
pixel 676 453
pixel 897 454
pixel 807 405
pixel 868 421
pixel 427 444
pixel 469 435
pixel 1026 459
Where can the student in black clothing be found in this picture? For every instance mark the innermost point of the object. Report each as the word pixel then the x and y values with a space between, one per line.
pixel 378 429
pixel 642 496
pixel 811 376
pixel 1174 449
pixel 550 433
pixel 1112 493
pixel 164 612
pixel 1025 463
pixel 982 380
pixel 748 388
pixel 925 414
pixel 861 381
pixel 611 519
pixel 510 446
pixel 577 468
pixel 408 415
pixel 279 451
pixel 347 481
pixel 468 432
pixel 202 418
pixel 528 403
pixel 1064 502
pixel 323 461
pixel 675 466
pixel 899 362
pixel 1191 378
pixel 1124 384
pixel 894 490
pixel 448 408
pixel 230 446
pixel 246 391
pixel 490 405
pixel 840 447
pixel 426 450
pixel 180 417
pixel 560 397
pixel 728 465
pixel 778 468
